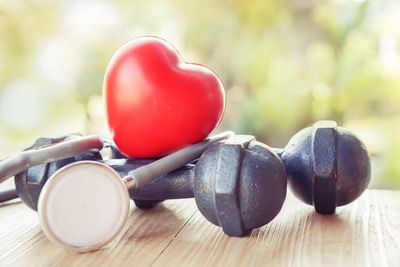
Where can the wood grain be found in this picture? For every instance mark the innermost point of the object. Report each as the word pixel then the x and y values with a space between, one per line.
pixel 145 236
pixel 364 233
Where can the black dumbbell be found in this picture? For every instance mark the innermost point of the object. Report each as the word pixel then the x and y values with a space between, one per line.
pixel 327 166
pixel 238 184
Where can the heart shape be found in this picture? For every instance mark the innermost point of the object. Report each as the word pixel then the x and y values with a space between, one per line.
pixel 155 102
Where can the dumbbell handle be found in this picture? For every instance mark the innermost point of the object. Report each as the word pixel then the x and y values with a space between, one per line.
pixel 173 185
pixel 8 194
pixel 146 174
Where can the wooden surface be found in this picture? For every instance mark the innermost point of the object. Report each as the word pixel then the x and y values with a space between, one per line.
pixel 364 233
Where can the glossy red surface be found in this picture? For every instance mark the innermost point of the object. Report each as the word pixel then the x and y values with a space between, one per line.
pixel 155 102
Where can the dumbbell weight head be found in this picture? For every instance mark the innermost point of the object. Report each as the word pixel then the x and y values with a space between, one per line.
pixel 239 184
pixel 327 166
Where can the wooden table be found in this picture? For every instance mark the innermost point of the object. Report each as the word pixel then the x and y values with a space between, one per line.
pixel 364 233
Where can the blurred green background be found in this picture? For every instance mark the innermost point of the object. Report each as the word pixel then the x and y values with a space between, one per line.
pixel 284 65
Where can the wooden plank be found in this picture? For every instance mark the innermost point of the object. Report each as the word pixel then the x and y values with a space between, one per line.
pixel 364 233
pixel 146 235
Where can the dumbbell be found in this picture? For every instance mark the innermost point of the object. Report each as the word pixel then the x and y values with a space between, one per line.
pixel 327 167
pixel 238 184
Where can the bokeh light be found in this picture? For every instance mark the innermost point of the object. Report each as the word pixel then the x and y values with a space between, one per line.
pixel 284 64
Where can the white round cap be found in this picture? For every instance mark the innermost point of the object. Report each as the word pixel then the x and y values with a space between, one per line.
pixel 83 205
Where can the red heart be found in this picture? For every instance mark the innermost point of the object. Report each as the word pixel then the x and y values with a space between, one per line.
pixel 155 102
